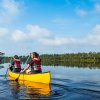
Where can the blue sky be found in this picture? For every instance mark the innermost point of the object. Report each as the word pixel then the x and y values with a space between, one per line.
pixel 49 26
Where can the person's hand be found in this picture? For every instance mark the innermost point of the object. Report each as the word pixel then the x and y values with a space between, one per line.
pixel 9 65
pixel 21 71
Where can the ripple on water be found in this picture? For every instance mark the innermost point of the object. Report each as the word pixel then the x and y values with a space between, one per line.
pixel 70 93
pixel 4 90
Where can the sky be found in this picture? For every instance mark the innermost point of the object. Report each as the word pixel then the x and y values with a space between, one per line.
pixel 49 26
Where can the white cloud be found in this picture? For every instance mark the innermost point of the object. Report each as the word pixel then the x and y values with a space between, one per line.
pixel 33 32
pixel 94 37
pixel 37 32
pixel 96 29
pixel 25 40
pixel 97 7
pixel 44 36
pixel 3 31
pixel 81 12
pixel 58 41
pixel 8 10
pixel 10 6
pixel 18 35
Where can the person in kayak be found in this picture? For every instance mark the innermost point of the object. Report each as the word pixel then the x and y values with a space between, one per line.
pixel 34 64
pixel 16 64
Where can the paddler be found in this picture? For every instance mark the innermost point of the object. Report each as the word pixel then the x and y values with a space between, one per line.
pixel 34 64
pixel 16 64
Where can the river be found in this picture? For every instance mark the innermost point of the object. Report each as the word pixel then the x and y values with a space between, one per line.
pixel 67 83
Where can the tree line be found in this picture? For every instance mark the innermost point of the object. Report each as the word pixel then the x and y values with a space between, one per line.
pixel 68 59
pixel 91 59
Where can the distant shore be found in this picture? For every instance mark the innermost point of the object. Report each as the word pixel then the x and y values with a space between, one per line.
pixel 68 59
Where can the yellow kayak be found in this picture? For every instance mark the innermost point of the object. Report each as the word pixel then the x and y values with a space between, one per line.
pixel 39 77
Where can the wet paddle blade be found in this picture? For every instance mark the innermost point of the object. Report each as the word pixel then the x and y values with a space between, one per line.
pixel 17 78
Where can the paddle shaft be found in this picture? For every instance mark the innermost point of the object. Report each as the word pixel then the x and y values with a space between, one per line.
pixel 27 59
pixel 10 59
pixel 9 67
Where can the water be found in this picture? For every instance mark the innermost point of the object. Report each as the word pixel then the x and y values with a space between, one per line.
pixel 67 83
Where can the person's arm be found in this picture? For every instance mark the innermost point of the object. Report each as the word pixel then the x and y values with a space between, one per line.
pixel 26 68
pixel 12 63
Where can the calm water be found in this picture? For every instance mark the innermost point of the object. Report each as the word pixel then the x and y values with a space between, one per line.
pixel 67 83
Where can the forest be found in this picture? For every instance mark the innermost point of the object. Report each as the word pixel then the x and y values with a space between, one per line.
pixel 91 59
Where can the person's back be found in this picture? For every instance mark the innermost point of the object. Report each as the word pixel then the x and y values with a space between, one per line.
pixel 16 64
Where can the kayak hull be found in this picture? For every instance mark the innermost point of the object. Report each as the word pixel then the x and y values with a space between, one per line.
pixel 44 77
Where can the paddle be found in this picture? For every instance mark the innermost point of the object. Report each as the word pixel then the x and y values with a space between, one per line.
pixel 8 67
pixel 20 73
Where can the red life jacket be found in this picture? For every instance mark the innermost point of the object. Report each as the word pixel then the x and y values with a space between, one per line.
pixel 17 64
pixel 37 64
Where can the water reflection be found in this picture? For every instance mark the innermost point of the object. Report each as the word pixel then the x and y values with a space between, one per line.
pixel 29 90
pixel 67 83
pixel 15 89
pixel 90 65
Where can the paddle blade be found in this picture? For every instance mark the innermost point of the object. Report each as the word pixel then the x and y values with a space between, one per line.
pixel 16 79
